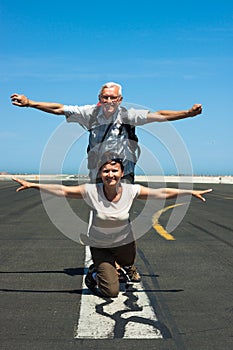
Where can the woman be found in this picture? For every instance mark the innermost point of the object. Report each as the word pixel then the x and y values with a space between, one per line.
pixel 110 236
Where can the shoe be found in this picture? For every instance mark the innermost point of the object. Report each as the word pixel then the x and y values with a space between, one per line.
pixel 122 275
pixel 89 280
pixel 132 273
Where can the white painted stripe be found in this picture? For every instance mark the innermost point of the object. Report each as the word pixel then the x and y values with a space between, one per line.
pixel 130 315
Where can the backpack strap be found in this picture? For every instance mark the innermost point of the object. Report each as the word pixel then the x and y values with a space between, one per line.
pixel 130 129
pixel 94 116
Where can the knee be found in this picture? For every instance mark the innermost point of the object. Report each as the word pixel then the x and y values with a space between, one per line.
pixel 109 292
pixel 108 282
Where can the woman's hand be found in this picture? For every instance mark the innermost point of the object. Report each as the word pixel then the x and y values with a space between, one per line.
pixel 24 184
pixel 198 194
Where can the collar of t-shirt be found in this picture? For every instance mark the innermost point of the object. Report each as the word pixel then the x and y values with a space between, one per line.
pixel 103 120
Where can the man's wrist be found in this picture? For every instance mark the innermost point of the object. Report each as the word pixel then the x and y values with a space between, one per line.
pixel 189 113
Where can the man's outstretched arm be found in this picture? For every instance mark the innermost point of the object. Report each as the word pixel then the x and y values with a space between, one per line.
pixel 48 107
pixel 163 115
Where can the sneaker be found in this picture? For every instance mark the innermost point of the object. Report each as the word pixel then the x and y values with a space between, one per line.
pixel 132 273
pixel 122 275
pixel 89 280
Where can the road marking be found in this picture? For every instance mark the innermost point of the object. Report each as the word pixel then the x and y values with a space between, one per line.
pixel 130 315
pixel 158 227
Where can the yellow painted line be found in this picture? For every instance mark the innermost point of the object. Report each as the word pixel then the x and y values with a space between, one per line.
pixel 162 232
pixel 158 227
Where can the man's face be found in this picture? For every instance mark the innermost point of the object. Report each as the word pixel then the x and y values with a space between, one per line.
pixel 110 100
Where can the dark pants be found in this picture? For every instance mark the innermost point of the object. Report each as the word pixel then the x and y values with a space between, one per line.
pixel 104 260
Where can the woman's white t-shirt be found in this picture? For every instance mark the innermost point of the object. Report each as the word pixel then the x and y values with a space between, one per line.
pixel 110 224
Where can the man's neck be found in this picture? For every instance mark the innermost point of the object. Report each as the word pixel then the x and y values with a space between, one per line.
pixel 109 115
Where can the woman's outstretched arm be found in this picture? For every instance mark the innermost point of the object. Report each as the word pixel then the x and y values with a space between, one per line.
pixel 166 193
pixel 54 189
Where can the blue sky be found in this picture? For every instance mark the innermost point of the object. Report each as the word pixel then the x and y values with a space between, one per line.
pixel 167 55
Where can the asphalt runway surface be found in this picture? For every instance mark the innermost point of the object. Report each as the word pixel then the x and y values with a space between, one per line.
pixel 188 280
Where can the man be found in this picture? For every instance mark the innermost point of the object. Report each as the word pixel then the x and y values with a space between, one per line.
pixel 110 126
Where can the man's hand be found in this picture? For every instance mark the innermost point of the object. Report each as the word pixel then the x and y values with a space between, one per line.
pixel 195 110
pixel 48 107
pixel 19 100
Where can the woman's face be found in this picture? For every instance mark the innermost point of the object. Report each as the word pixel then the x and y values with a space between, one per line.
pixel 111 174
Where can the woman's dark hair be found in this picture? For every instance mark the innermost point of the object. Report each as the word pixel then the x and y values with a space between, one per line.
pixel 110 159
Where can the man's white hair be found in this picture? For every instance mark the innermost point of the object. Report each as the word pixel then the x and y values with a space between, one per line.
pixel 111 84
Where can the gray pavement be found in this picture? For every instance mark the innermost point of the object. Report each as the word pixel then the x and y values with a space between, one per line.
pixel 188 280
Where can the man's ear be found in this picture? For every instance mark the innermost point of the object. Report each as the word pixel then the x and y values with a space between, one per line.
pixel 122 174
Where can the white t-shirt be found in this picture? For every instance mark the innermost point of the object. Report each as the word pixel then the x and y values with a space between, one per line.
pixel 110 224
